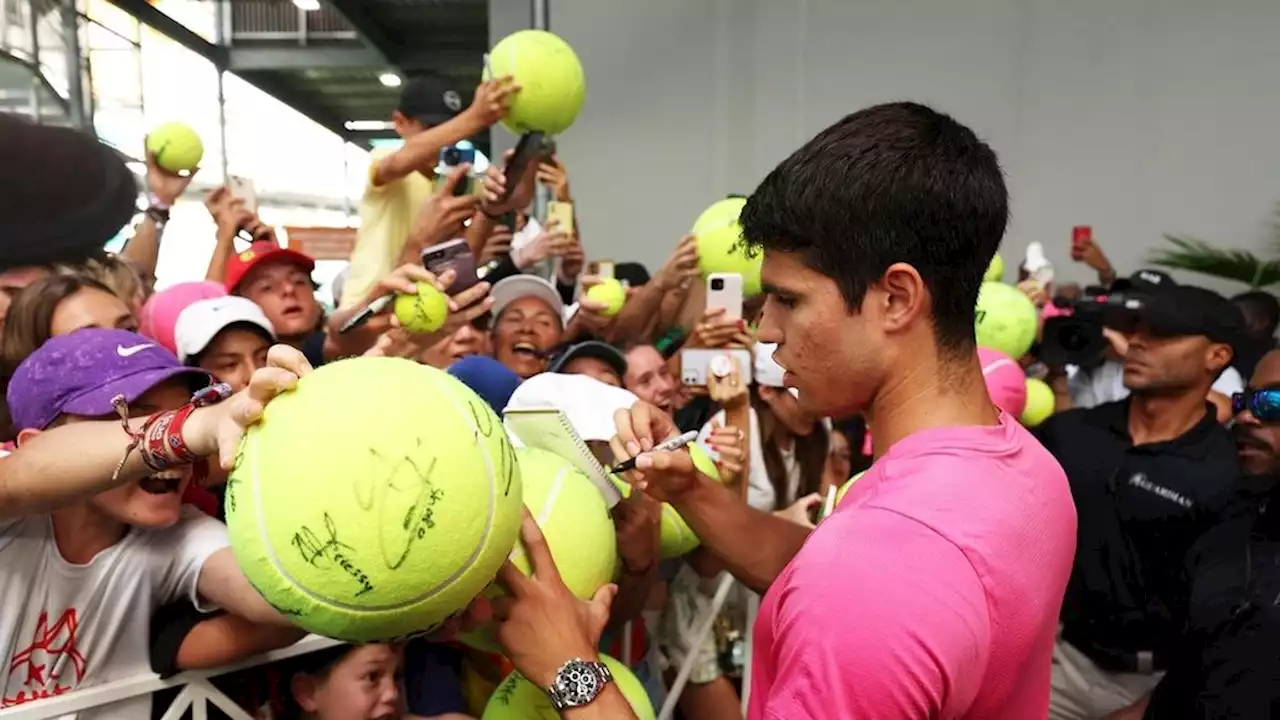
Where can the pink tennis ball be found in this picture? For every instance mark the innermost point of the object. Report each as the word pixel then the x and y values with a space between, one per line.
pixel 1006 381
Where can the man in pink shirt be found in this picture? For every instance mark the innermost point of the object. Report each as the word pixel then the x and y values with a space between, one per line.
pixel 933 591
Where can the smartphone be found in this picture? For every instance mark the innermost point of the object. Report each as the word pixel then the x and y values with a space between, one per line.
pixel 696 364
pixel 605 269
pixel 451 156
pixel 528 150
pixel 562 213
pixel 453 255
pixel 724 290
pixel 241 188
pixel 1081 235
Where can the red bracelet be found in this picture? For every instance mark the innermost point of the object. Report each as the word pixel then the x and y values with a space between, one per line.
pixel 160 439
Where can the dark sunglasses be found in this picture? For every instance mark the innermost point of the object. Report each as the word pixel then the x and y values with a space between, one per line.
pixel 1263 404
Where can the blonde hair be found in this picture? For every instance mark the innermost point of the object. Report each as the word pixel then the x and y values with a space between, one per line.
pixel 112 271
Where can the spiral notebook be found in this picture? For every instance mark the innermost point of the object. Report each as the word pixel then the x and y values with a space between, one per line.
pixel 549 429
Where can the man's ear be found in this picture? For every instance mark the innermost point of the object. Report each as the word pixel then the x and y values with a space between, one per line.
pixel 1218 357
pixel 304 688
pixel 26 435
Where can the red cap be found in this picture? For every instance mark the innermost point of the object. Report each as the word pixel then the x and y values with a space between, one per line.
pixel 263 251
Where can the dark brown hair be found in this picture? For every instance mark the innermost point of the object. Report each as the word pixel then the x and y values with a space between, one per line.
pixel 810 450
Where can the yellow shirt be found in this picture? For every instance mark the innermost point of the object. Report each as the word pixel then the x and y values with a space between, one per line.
pixel 386 214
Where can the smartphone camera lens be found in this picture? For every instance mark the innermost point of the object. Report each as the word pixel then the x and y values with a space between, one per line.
pixel 452 156
pixel 717 283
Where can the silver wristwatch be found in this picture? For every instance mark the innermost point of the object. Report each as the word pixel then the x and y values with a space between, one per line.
pixel 577 683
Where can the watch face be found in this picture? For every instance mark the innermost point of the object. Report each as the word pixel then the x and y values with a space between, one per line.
pixel 578 683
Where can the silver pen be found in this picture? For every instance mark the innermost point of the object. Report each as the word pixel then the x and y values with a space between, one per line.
pixel 364 315
pixel 674 443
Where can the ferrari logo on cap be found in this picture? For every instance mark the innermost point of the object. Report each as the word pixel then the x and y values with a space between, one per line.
pixel 247 255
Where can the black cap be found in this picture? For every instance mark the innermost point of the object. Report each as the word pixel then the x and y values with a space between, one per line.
pixel 605 352
pixel 632 273
pixel 1183 310
pixel 432 99
pixel 1144 281
pixel 66 194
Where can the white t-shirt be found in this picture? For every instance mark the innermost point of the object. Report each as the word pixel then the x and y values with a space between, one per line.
pixel 1105 383
pixel 760 492
pixel 65 626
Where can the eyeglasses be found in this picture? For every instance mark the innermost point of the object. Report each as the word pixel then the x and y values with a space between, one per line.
pixel 1263 403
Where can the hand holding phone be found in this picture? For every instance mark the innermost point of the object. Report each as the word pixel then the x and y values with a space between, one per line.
pixel 724 290
pixel 561 213
pixel 452 255
pixel 242 189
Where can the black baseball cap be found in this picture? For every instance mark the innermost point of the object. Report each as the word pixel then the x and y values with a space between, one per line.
pixel 1145 281
pixel 1183 310
pixel 433 99
pixel 633 274
pixel 605 352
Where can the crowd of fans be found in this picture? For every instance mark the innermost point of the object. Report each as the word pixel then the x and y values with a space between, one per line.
pixel 1170 609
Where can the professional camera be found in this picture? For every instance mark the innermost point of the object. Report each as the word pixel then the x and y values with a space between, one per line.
pixel 1074 336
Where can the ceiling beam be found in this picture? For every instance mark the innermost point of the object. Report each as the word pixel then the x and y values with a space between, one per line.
pixel 372 31
pixel 244 58
pixel 148 15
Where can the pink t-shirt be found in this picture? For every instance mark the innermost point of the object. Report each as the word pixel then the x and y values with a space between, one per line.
pixel 932 592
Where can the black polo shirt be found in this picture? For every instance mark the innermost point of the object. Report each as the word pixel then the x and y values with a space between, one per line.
pixel 1139 510
pixel 1228 663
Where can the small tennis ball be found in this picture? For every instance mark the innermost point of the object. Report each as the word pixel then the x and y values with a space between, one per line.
pixel 176 147
pixel 576 522
pixel 844 490
pixel 1005 319
pixel 424 312
pixel 703 462
pixel 611 294
pixel 995 271
pixel 720 249
pixel 404 516
pixel 1040 403
pixel 519 699
pixel 552 83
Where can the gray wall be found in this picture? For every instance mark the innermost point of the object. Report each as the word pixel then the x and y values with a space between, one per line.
pixel 1138 117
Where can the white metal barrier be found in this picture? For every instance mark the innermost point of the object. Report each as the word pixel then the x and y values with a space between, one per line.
pixel 196 691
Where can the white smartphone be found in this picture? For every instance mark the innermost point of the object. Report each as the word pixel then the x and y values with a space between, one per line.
pixel 724 290
pixel 696 364
pixel 242 189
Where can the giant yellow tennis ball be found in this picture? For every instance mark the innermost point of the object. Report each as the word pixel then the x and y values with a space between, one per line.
pixel 381 520
pixel 609 293
pixel 576 522
pixel 1005 319
pixel 519 699
pixel 424 312
pixel 995 271
pixel 720 249
pixel 552 83
pixel 176 147
pixel 1040 403
pixel 675 537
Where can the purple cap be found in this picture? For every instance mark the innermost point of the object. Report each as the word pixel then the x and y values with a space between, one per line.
pixel 79 373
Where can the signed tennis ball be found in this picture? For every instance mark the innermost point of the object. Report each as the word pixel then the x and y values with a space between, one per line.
pixel 552 83
pixel 519 699
pixel 576 522
pixel 995 271
pixel 176 147
pixel 720 248
pixel 1040 403
pixel 424 312
pixel 1005 319
pixel 611 294
pixel 379 521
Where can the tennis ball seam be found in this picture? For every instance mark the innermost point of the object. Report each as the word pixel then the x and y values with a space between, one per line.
pixel 303 589
pixel 544 514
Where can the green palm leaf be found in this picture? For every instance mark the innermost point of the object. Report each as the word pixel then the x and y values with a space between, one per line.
pixel 1200 257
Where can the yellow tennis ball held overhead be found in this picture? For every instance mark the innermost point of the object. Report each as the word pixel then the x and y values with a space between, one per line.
pixel 552 83
pixel 176 147
pixel 720 249
pixel 393 519
pixel 424 312
pixel 609 293
pixel 1005 319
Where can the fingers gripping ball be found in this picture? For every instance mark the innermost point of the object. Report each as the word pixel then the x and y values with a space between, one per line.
pixel 382 520
pixel 720 248
pixel 609 293
pixel 577 525
pixel 519 699
pixel 552 83
pixel 995 271
pixel 424 312
pixel 1005 319
pixel 176 147
pixel 1040 403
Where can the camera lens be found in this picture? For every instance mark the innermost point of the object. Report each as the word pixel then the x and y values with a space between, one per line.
pixel 452 157
pixel 717 284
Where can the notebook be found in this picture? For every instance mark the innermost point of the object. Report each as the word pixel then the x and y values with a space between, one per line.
pixel 549 429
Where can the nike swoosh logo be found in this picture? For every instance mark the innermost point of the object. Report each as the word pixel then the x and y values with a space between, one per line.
pixel 125 352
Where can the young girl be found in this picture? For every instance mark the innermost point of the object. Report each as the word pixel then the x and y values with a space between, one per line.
pixel 352 682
